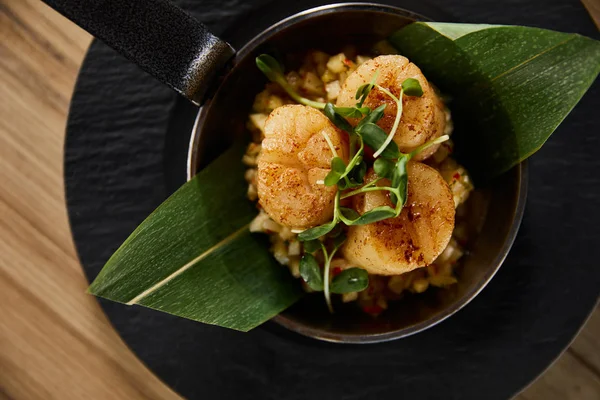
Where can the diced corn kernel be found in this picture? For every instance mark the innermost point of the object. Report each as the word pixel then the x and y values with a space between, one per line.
pixel 313 85
pixel 294 266
pixel 320 59
pixel 270 225
pixel 274 102
pixel 328 76
pixel 257 223
pixel 333 90
pixel 397 283
pixel 258 120
pixel 348 297
pixel 451 253
pixel 279 250
pixel 362 59
pixel 441 280
pixel 261 102
pixel 449 128
pixel 343 76
pixel 249 160
pixel 286 233
pixel 336 63
pixel 250 175
pixel 252 193
pixel 294 248
pixel 420 285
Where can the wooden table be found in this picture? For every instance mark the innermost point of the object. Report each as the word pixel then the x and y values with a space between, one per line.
pixel 55 341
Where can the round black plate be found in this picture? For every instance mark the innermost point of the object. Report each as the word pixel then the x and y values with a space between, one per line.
pixel 125 152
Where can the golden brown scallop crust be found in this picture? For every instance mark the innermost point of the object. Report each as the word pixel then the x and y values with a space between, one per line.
pixel 415 238
pixel 294 159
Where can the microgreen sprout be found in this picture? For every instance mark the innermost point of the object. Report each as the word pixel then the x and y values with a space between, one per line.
pixel 410 87
pixel 274 72
pixel 396 121
pixel 329 143
pixel 350 280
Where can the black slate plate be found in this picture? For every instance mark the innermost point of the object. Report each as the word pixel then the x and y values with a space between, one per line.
pixel 125 151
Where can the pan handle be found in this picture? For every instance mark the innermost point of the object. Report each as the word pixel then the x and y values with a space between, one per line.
pixel 158 36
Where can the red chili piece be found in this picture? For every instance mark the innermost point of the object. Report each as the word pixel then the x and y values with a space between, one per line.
pixel 374 309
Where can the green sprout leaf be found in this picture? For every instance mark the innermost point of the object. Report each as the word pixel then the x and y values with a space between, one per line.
pixel 375 137
pixel 338 165
pixel 270 67
pixel 372 117
pixel 338 168
pixel 350 280
pixel 352 112
pixel 310 246
pixel 363 90
pixel 375 215
pixel 383 168
pixel 337 119
pixel 412 87
pixel 339 240
pixel 317 231
pixel 400 182
pixel 359 172
pixel 311 272
pixel 274 72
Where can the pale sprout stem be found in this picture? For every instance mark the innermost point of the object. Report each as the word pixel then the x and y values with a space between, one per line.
pixel 331 146
pixel 396 121
pixel 427 145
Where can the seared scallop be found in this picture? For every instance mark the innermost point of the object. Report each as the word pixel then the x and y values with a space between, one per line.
pixel 423 118
pixel 294 160
pixel 415 238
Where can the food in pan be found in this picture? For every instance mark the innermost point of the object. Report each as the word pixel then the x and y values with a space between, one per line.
pixel 351 169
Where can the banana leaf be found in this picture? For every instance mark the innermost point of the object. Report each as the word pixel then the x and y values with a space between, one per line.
pixel 511 86
pixel 194 256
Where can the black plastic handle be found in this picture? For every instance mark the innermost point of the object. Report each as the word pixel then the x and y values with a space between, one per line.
pixel 157 35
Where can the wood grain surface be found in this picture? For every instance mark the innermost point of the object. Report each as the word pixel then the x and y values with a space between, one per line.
pixel 55 342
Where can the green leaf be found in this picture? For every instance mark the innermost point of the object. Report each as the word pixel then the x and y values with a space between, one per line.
pixel 351 112
pixel 338 241
pixel 372 117
pixel 350 280
pixel 359 172
pixel 371 216
pixel 274 72
pixel 310 246
pixel 349 213
pixel 338 165
pixel 194 256
pixel 511 85
pixel 311 272
pixel 269 66
pixel 317 231
pixel 400 181
pixel 383 168
pixel 375 137
pixel 338 168
pixel 375 215
pixel 332 178
pixel 337 119
pixel 412 87
pixel 362 93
